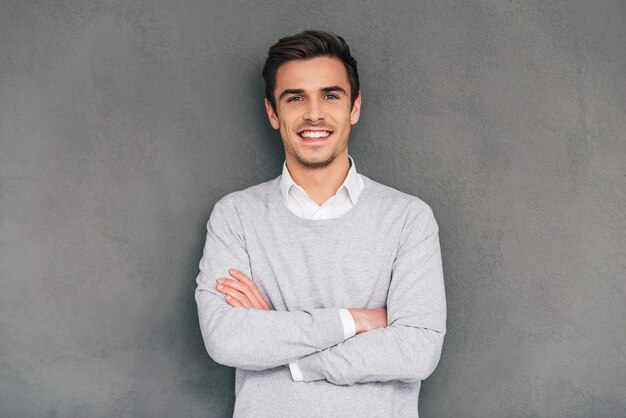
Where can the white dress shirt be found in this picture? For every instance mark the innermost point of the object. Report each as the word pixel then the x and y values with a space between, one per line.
pixel 297 201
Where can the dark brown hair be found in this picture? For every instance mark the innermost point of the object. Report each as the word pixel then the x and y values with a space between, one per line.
pixel 309 44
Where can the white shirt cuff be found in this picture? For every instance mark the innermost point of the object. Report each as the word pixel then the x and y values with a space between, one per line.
pixel 296 373
pixel 349 327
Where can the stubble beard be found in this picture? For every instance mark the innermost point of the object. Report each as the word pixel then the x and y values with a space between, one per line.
pixel 316 165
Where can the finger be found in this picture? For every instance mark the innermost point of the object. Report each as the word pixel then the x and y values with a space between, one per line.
pixel 235 284
pixel 246 280
pixel 241 288
pixel 234 294
pixel 233 302
pixel 244 288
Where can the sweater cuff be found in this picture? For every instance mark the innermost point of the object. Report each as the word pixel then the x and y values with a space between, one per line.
pixel 296 374
pixel 311 367
pixel 349 326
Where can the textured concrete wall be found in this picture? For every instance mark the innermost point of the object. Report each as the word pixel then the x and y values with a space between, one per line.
pixel 122 123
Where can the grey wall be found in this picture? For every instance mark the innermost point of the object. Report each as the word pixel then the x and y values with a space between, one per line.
pixel 122 123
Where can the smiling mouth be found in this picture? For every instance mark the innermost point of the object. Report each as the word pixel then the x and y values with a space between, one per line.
pixel 314 135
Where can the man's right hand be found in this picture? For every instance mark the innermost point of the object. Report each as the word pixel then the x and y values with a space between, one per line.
pixel 369 319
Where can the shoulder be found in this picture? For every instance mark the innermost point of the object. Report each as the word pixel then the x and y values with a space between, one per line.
pixel 415 211
pixel 250 200
pixel 391 196
pixel 231 211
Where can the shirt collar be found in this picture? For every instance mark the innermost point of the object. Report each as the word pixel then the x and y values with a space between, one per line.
pixel 351 183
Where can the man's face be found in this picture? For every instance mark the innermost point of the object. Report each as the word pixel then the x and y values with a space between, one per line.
pixel 313 95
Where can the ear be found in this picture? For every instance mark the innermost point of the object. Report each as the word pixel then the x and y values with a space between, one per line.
pixel 270 114
pixel 355 113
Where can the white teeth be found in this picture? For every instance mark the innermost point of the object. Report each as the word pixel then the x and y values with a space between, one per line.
pixel 314 134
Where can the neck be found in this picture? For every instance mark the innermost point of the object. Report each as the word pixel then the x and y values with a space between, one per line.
pixel 320 184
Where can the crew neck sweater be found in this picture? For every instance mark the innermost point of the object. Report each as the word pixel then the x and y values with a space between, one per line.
pixel 298 201
pixel 384 252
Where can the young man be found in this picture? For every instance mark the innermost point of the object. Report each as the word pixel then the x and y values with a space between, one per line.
pixel 338 277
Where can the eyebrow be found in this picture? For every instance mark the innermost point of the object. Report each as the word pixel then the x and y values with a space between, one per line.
pixel 300 91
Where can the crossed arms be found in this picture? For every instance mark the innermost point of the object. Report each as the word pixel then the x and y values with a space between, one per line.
pixel 408 349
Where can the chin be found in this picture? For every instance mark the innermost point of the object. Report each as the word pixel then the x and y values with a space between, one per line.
pixel 320 162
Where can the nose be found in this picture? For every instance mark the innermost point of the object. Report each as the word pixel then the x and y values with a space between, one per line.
pixel 313 111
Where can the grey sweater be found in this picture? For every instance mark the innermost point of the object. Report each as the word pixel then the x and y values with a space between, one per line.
pixel 384 252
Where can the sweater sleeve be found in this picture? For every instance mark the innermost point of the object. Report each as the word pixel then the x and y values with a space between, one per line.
pixel 349 329
pixel 409 348
pixel 249 338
